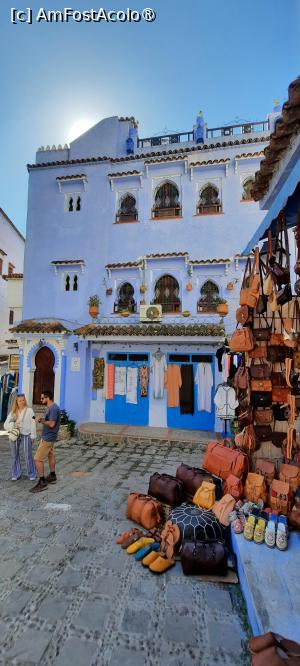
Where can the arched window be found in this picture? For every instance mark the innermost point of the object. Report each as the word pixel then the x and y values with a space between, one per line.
pixel 209 201
pixel 247 189
pixel 166 294
pixel 78 203
pixel 166 201
pixel 125 299
pixel 75 283
pixel 67 283
pixel 209 294
pixel 127 211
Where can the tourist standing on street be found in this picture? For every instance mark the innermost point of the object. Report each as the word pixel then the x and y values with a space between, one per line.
pixel 51 424
pixel 21 419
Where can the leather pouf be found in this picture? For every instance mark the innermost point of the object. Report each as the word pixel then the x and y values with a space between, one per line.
pixel 195 523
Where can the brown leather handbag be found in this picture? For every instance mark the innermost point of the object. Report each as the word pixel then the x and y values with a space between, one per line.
pixel 192 478
pixel 291 475
pixel 166 488
pixel 249 294
pixel 144 510
pixel 242 314
pixel 279 496
pixel 203 558
pixel 242 340
pixel 246 440
pixel 222 460
pixel 260 370
pixel 259 351
pixel 279 262
pixel 280 394
pixel 267 469
pixel 244 415
pixel 241 378
pixel 234 487
pixel 278 379
pixel 261 385
pixel 261 333
pixel 263 433
pixel 277 354
pixel 264 416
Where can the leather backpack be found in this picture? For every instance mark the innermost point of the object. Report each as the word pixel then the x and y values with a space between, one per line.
pixel 144 510
pixel 234 487
pixel 255 488
pixel 265 468
pixel 291 475
pixel 223 461
pixel 264 416
pixel 279 496
pixel 205 496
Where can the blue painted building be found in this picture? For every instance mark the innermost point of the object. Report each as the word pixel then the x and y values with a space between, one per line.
pixel 156 228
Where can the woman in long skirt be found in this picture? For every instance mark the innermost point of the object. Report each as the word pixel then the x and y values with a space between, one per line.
pixel 22 417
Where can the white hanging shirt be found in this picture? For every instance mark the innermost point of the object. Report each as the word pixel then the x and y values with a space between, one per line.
pixel 120 380
pixel 159 370
pixel 204 380
pixel 131 388
pixel 226 402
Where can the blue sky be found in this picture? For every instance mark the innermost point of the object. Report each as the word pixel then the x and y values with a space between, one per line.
pixel 229 58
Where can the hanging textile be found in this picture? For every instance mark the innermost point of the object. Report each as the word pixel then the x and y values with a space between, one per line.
pixel 204 380
pixel 144 380
pixel 98 373
pixel 131 386
pixel 186 393
pixel 226 402
pixel 109 381
pixel 159 369
pixel 120 380
pixel 172 384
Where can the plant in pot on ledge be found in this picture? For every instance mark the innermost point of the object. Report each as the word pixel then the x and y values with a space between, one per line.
pixel 222 306
pixel 67 426
pixel 93 303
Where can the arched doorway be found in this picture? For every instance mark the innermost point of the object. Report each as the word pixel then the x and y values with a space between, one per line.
pixel 44 373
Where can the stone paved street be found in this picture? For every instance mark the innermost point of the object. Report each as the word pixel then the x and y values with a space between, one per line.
pixel 69 596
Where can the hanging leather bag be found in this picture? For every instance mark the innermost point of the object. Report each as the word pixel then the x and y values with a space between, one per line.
pixel 234 487
pixel 284 295
pixel 261 331
pixel 244 415
pixel 263 433
pixel 203 558
pixel 259 351
pixel 267 469
pixel 264 416
pixel 278 438
pixel 261 385
pixel 279 262
pixel 242 314
pixel 249 294
pixel 262 303
pixel 291 475
pixel 277 354
pixel 255 488
pixel 291 337
pixel 166 488
pixel 261 399
pixel 241 378
pixel 242 340
pixel 246 440
pixel 222 460
pixel 280 394
pixel 144 510
pixel 260 370
pixel 279 496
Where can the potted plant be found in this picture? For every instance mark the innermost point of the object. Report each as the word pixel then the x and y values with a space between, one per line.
pixel 94 302
pixel 143 288
pixel 189 286
pixel 67 426
pixel 186 313
pixel 222 306
pixel 229 286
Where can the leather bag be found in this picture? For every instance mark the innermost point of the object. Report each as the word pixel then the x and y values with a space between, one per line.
pixel 144 510
pixel 192 477
pixel 255 488
pixel 265 468
pixel 284 295
pixel 244 415
pixel 263 433
pixel 261 399
pixel 205 496
pixel 223 509
pixel 242 340
pixel 294 519
pixel 280 394
pixel 278 438
pixel 279 262
pixel 241 378
pixel 260 370
pixel 259 351
pixel 223 461
pixel 279 496
pixel 249 294
pixel 242 314
pixel 262 333
pixel 278 380
pixel 166 488
pixel 203 558
pixel 261 385
pixel 234 487
pixel 291 475
pixel 277 354
pixel 245 440
pixel 264 416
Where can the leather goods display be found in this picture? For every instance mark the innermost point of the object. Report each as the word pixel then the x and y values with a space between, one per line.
pixel 241 378
pixel 255 488
pixel 202 558
pixel 263 433
pixel 192 478
pixel 281 412
pixel 264 416
pixel 223 509
pixel 279 262
pixel 267 469
pixel 261 385
pixel 279 496
pixel 278 438
pixel 144 510
pixel 260 370
pixel 234 487
pixel 284 295
pixel 242 314
pixel 196 523
pixel 291 475
pixel 259 351
pixel 261 399
pixel 242 340
pixel 246 440
pixel 166 488
pixel 249 294
pixel 244 415
pixel 280 394
pixel 205 496
pixel 222 461
pixel 277 354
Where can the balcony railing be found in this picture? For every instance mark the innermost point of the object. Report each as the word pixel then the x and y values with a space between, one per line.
pixel 213 132
pixel 119 308
pixel 126 217
pixel 165 139
pixel 168 307
pixel 204 209
pixel 166 212
pixel 206 307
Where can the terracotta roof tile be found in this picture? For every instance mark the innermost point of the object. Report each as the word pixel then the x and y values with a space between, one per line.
pixel 13 276
pixel 32 326
pixel 153 330
pixel 125 264
pixel 73 177
pixel 122 174
pixel 67 261
pixel 196 262
pixel 166 254
pixel 210 162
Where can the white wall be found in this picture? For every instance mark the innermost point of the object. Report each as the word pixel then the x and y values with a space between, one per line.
pixel 12 243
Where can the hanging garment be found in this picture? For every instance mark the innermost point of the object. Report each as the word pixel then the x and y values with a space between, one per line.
pixel 226 402
pixel 131 385
pixel 172 384
pixel 225 367
pixel 159 369
pixel 144 380
pixel 120 380
pixel 219 355
pixel 109 381
pixel 186 393
pixel 204 380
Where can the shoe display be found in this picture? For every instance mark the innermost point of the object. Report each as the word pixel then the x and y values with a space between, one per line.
pixel 281 537
pixel 259 531
pixel 140 543
pixel 270 533
pixel 40 486
pixel 249 528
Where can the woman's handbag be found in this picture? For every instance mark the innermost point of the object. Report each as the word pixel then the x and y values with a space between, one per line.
pixel 261 399
pixel 222 460
pixel 255 488
pixel 144 510
pixel 277 354
pixel 166 488
pixel 260 370
pixel 223 508
pixel 234 487
pixel 261 385
pixel 279 496
pixel 280 394
pixel 246 440
pixel 267 469
pixel 278 438
pixel 249 295
pixel 205 496
pixel 242 314
pixel 291 475
pixel 284 295
pixel 262 333
pixel 281 412
pixel 242 340
pixel 192 477
pixel 14 434
pixel 241 378
pixel 279 262
pixel 244 415
pixel 259 351
pixel 204 558
pixel 262 303
pixel 264 416
pixel 263 433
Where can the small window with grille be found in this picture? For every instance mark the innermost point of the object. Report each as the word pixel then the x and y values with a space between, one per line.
pixel 209 201
pixel 125 299
pixel 247 194
pixel 167 293
pixel 167 202
pixel 209 294
pixel 128 210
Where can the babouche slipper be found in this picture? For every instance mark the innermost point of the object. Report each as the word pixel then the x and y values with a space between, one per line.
pixel 249 528
pixel 140 543
pixel 161 564
pixel 123 537
pixel 136 534
pixel 152 547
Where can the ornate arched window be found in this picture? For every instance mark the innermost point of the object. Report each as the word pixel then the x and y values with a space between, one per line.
pixel 127 211
pixel 209 293
pixel 67 283
pixel 247 189
pixel 209 201
pixel 125 299
pixel 166 201
pixel 166 294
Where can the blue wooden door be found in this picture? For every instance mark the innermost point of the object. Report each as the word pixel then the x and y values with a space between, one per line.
pixel 118 410
pixel 199 420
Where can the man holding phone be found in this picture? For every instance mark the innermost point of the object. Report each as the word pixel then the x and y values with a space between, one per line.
pixel 51 424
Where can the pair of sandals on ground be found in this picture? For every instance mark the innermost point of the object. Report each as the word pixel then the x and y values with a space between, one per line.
pixel 155 550
pixel 274 650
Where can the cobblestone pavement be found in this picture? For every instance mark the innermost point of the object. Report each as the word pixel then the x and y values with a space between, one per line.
pixel 69 596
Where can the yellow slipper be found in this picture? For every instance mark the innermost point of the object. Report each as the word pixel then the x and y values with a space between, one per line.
pixel 259 532
pixel 151 557
pixel 161 564
pixel 140 543
pixel 249 528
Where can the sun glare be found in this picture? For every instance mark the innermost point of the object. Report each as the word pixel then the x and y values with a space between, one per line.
pixel 79 128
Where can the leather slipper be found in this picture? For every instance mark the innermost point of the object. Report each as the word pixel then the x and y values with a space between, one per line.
pixel 134 536
pixel 151 557
pixel 161 564
pixel 152 547
pixel 140 543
